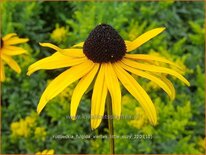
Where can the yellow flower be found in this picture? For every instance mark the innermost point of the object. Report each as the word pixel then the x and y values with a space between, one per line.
pixel 7 50
pixel 139 120
pixel 202 143
pixel 45 152
pixel 105 55
pixel 23 127
pixel 20 128
pixel 40 133
pixel 31 121
pixel 59 34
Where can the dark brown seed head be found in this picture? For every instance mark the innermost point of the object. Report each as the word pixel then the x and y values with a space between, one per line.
pixel 104 44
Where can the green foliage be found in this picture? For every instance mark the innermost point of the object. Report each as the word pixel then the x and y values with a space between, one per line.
pixel 180 127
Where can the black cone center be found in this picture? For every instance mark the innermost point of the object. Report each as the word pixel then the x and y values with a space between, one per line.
pixel 104 44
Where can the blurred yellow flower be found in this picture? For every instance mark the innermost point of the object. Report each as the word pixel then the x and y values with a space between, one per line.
pixel 104 56
pixel 59 34
pixel 40 133
pixel 139 118
pixel 45 152
pixel 7 50
pixel 126 99
pixel 202 143
pixel 30 120
pixel 20 129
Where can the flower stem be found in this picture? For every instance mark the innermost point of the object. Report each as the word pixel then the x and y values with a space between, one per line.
pixel 110 125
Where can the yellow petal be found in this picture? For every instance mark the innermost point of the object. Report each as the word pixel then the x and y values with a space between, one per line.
pixel 143 38
pixel 80 89
pixel 11 63
pixel 98 99
pixel 150 57
pixel 79 44
pixel 8 36
pixel 2 78
pixel 62 81
pixel 155 79
pixel 13 50
pixel 67 52
pixel 72 52
pixel 57 60
pixel 50 46
pixel 170 85
pixel 138 92
pixel 154 68
pixel 114 89
pixel 15 40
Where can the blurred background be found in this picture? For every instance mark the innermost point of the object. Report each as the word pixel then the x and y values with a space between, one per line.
pixel 181 123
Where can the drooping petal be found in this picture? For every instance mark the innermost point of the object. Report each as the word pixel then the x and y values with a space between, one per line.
pixel 98 99
pixel 12 63
pixel 62 81
pixel 13 50
pixel 154 68
pixel 57 60
pixel 2 75
pixel 143 38
pixel 50 46
pixel 137 91
pixel 150 57
pixel 8 36
pixel 170 85
pixel 80 89
pixel 114 89
pixel 15 40
pixel 79 44
pixel 155 79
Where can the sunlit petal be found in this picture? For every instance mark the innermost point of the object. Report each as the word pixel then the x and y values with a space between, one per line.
pixel 13 50
pixel 62 81
pixel 114 89
pixel 2 73
pixel 50 46
pixel 79 44
pixel 8 36
pixel 137 91
pixel 155 79
pixel 80 89
pixel 12 63
pixel 170 85
pixel 72 52
pixel 98 99
pixel 143 38
pixel 150 57
pixel 15 40
pixel 154 68
pixel 57 60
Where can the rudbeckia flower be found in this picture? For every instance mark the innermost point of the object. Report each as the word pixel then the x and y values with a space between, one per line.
pixel 104 57
pixel 8 50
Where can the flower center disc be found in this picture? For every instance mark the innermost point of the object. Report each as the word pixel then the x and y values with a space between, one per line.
pixel 104 44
